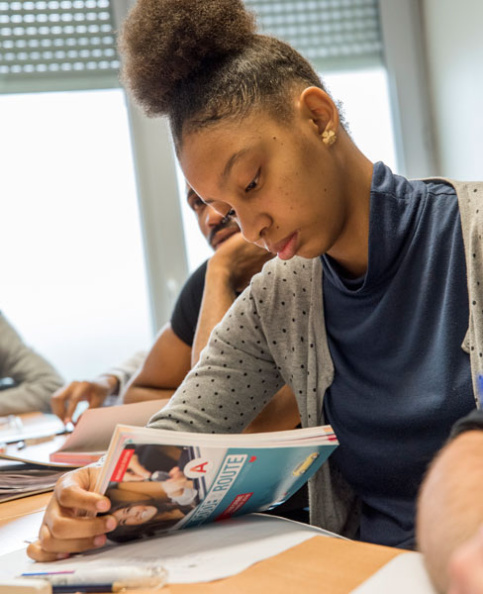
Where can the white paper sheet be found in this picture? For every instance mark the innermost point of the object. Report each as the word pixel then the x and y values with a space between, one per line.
pixel 196 555
pixel 405 574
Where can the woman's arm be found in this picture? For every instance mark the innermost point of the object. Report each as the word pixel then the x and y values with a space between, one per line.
pixel 234 380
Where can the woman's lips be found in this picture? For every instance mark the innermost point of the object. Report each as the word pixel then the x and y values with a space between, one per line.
pixel 286 248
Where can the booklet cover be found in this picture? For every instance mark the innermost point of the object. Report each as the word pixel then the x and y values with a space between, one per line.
pixel 161 481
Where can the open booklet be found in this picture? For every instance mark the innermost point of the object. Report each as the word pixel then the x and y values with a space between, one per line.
pixel 161 481
pixel 92 434
pixel 19 479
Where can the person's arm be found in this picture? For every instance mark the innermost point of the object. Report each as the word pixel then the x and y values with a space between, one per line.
pixel 165 367
pixel 280 414
pixel 35 378
pixel 96 391
pixel 145 489
pixel 450 512
pixel 229 271
pixel 466 566
pixel 235 378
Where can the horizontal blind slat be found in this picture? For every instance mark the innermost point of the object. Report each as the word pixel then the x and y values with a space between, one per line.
pixel 48 45
pixel 333 34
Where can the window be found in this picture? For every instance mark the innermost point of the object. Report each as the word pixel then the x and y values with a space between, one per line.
pixel 365 102
pixel 73 280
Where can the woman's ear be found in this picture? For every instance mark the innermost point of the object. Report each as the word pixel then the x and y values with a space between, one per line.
pixel 316 105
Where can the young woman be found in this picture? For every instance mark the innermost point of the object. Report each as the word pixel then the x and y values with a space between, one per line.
pixel 364 313
pixel 155 515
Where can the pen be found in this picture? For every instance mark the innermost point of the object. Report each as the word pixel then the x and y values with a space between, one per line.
pixel 103 579
pixel 34 441
pixel 73 589
pixel 120 586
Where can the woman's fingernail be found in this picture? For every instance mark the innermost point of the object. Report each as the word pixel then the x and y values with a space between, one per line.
pixel 110 523
pixel 102 505
pixel 63 555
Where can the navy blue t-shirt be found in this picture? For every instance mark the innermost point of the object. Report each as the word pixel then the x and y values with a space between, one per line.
pixel 401 376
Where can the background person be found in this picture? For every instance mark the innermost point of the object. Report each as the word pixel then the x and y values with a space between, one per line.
pixel 450 511
pixel 27 379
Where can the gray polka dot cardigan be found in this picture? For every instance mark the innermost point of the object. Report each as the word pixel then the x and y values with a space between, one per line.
pixel 275 334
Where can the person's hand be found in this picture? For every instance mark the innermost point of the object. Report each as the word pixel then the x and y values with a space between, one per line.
pixel 68 525
pixel 65 400
pixel 466 567
pixel 176 473
pixel 239 259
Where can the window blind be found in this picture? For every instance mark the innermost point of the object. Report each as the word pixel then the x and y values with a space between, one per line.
pixel 57 45
pixel 331 34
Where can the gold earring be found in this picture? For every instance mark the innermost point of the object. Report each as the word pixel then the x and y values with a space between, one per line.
pixel 329 137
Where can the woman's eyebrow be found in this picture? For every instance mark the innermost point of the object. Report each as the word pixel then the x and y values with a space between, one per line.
pixel 231 161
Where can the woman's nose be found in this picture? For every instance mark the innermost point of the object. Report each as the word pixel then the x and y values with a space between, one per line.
pixel 253 225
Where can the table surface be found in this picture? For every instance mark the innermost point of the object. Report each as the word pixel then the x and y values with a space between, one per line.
pixel 319 564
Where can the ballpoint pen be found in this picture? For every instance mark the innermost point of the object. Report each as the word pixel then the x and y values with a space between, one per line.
pixel 103 579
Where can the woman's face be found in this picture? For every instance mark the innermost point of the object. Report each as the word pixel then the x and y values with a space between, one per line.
pixel 284 183
pixel 132 515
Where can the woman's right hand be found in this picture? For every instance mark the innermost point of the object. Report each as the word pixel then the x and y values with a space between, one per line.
pixel 69 524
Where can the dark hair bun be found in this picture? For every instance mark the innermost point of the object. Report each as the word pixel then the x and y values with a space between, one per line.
pixel 166 41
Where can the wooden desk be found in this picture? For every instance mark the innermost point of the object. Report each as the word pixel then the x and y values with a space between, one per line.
pixel 318 565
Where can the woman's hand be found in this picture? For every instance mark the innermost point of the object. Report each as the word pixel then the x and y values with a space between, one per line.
pixel 69 524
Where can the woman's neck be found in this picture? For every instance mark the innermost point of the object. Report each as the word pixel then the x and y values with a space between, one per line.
pixel 351 251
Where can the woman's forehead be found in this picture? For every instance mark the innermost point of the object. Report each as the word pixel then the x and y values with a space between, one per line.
pixel 204 155
pixel 208 156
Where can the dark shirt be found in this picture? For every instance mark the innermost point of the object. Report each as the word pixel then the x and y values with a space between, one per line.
pixel 187 308
pixel 395 335
pixel 472 422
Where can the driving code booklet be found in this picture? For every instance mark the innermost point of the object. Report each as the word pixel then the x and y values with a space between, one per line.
pixel 162 481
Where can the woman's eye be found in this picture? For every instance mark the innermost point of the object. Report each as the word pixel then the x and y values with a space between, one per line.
pixel 254 183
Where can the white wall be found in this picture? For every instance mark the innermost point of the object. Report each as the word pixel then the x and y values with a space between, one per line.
pixel 455 63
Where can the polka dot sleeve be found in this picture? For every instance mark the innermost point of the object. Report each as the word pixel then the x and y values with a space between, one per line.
pixel 234 380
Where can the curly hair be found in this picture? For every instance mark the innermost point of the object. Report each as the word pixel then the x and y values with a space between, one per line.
pixel 201 61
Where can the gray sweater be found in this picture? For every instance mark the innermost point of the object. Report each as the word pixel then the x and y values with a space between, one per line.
pixel 275 334
pixel 35 378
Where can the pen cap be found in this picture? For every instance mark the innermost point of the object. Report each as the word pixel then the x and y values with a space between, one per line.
pixel 25 586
